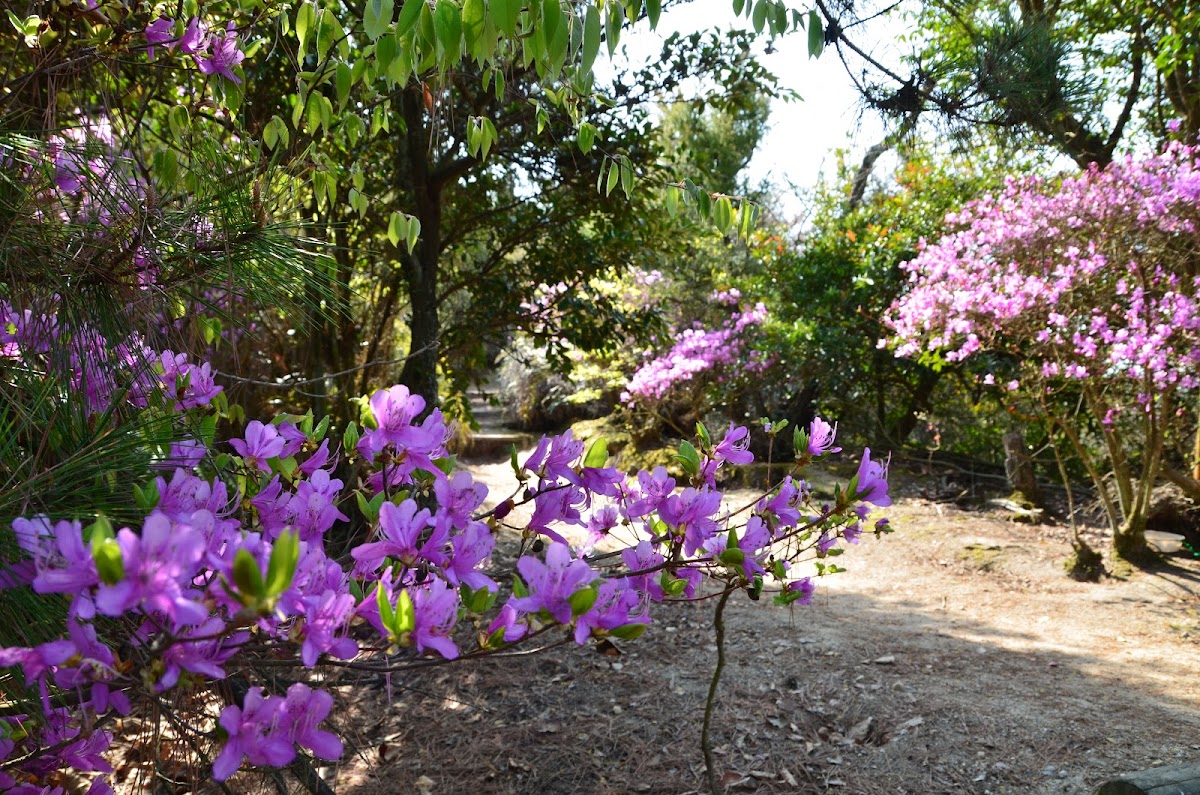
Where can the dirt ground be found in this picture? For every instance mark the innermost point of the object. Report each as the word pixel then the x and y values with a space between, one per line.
pixel 953 657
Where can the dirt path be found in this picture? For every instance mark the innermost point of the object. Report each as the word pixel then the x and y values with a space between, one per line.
pixel 953 657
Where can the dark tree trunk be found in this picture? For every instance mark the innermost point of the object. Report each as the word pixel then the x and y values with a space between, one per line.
pixel 420 269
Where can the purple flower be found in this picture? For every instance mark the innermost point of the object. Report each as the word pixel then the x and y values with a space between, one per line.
pixel 469 549
pixel 640 559
pixel 820 437
pixel 457 497
pixel 691 512
pixel 313 508
pixel 555 504
pixel 64 563
pixel 326 615
pixel 655 487
pixel 400 531
pixel 262 443
pixel 184 454
pixel 252 735
pixel 553 457
pixel 805 587
pixel 781 509
pixel 302 710
pixel 732 447
pixel 37 660
pixel 508 620
pixel 194 38
pixel 203 656
pixel 872 481
pixel 552 583
pixel 159 32
pixel 157 565
pixel 614 600
pixel 435 610
pixel 225 56
pixel 318 459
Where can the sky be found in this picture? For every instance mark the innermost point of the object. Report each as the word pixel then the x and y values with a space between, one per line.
pixel 803 135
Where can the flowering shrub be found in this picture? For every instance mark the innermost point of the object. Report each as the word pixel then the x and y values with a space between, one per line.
pixel 1088 287
pixel 698 352
pixel 230 566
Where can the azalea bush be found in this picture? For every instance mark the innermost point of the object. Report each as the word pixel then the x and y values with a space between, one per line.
pixel 1084 294
pixel 228 574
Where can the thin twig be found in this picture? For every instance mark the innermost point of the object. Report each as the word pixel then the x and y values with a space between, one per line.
pixel 710 702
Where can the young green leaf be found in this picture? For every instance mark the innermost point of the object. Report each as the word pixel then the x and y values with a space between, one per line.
pixel 247 577
pixel 410 12
pixel 397 227
pixel 591 38
pixel 597 454
pixel 586 137
pixel 505 14
pixel 305 18
pixel 816 34
pixel 377 15
pixel 281 568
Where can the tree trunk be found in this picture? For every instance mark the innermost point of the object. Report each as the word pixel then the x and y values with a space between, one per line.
pixel 1129 540
pixel 420 269
pixel 1019 468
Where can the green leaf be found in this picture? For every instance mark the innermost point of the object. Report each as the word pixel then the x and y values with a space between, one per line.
pixel 597 454
pixel 688 458
pixel 703 434
pixel 410 12
pixel 180 123
pixel 505 14
pixel 281 568
pixel 412 233
pixel 377 16
pixel 447 25
pixel 329 33
pixel 166 166
pixel 612 25
pixel 552 18
pixel 387 615
pixel 350 437
pixel 732 557
pixel 489 136
pixel 816 34
pixel 591 38
pixel 626 177
pixel 614 176
pixel 472 22
pixel 723 214
pixel 672 200
pixel 673 586
pixel 344 81
pixel 738 7
pixel 109 563
pixel 397 228
pixel 406 617
pixel 247 577
pixel 582 600
pixel 628 631
pixel 520 589
pixel 305 18
pixel 586 137
pixel 653 12
pixel 759 18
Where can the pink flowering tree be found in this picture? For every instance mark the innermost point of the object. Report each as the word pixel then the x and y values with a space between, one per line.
pixel 695 362
pixel 1083 294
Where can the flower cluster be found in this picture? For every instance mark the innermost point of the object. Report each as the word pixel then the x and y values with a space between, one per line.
pixel 1089 279
pixel 232 564
pixel 214 52
pixel 695 351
